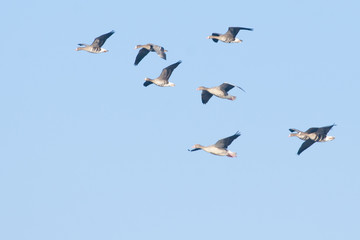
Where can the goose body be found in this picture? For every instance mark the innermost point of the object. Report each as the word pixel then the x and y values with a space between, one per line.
pixel 219 148
pixel 163 79
pixel 145 49
pixel 218 91
pixel 311 136
pixel 96 46
pixel 229 36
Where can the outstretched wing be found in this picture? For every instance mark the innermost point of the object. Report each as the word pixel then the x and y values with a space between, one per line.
pixel 99 41
pixel 305 145
pixel 312 130
pixel 215 34
pixel 228 86
pixel 205 96
pixel 225 142
pixel 160 51
pixel 324 130
pixel 147 83
pixel 234 30
pixel 166 72
pixel 142 53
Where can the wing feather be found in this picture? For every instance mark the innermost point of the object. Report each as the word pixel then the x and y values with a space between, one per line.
pixel 166 72
pixel 205 96
pixel 305 145
pixel 225 142
pixel 142 53
pixel 99 41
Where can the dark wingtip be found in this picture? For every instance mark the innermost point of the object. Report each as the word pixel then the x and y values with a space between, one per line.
pixel 291 130
pixel 240 88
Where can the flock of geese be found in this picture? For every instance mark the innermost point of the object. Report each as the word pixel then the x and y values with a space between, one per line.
pixel 309 137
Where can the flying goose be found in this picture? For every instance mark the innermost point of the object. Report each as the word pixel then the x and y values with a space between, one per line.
pixel 229 36
pixel 95 47
pixel 219 91
pixel 163 79
pixel 311 136
pixel 145 49
pixel 220 147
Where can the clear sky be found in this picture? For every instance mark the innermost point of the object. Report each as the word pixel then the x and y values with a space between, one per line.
pixel 87 152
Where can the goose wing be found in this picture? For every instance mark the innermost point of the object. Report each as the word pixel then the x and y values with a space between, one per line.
pixel 147 83
pixel 215 34
pixel 312 130
pixel 305 145
pixel 325 130
pixel 99 41
pixel 205 96
pixel 160 51
pixel 228 86
pixel 142 53
pixel 225 142
pixel 233 31
pixel 166 72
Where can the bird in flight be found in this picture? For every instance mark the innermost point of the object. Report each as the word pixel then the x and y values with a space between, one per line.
pixel 96 46
pixel 220 147
pixel 145 49
pixel 163 79
pixel 311 136
pixel 229 36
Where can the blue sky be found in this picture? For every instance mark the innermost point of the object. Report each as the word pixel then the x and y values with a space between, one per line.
pixel 87 152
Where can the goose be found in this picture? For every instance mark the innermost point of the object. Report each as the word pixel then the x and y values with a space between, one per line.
pixel 163 79
pixel 229 36
pixel 95 47
pixel 311 136
pixel 219 91
pixel 220 147
pixel 145 49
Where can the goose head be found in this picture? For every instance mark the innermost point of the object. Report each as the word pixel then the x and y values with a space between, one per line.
pixel 197 146
pixel 201 88
pixel 293 134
